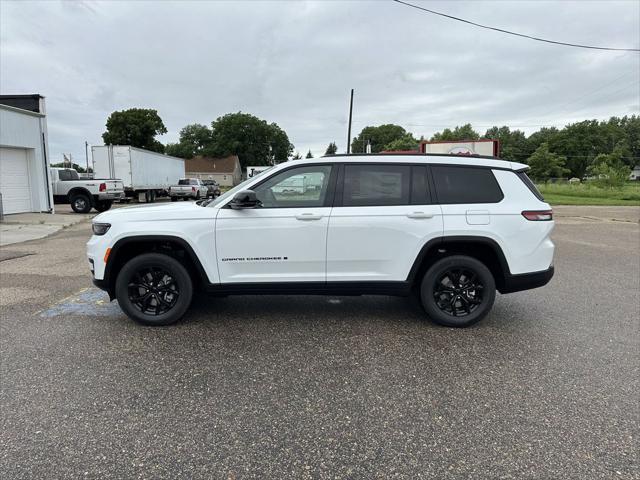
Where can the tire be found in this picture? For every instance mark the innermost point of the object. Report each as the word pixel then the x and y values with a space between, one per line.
pixel 198 196
pixel 103 205
pixel 152 196
pixel 446 298
pixel 174 199
pixel 81 203
pixel 158 306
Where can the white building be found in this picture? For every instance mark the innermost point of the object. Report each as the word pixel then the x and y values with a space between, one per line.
pixel 25 184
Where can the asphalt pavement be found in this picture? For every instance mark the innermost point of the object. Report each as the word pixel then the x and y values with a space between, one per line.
pixel 546 387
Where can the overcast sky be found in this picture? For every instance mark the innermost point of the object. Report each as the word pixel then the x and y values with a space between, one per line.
pixel 293 63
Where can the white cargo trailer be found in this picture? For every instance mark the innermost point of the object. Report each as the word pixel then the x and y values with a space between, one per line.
pixel 145 174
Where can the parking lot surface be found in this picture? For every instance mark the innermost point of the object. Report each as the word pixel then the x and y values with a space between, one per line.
pixel 325 387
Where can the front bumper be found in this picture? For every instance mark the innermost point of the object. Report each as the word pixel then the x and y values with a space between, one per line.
pixel 527 281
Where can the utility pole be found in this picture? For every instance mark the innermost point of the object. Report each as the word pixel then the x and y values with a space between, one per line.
pixel 86 154
pixel 350 117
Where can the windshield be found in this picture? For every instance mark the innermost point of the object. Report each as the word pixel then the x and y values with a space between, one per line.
pixel 241 186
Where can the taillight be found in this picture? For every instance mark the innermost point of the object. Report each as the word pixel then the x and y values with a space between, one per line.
pixel 103 187
pixel 538 215
pixel 193 189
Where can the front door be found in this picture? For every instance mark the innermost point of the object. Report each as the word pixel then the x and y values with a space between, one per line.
pixel 284 240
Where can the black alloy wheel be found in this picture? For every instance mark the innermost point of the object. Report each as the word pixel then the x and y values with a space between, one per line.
pixel 154 289
pixel 457 291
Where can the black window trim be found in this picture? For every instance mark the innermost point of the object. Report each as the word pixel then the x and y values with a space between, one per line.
pixel 524 178
pixel 331 185
pixel 339 192
pixel 484 167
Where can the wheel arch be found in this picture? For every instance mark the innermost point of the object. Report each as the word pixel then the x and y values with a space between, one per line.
pixel 484 249
pixel 129 247
pixel 79 191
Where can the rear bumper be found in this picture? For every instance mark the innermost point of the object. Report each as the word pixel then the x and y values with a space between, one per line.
pixel 110 196
pixel 527 281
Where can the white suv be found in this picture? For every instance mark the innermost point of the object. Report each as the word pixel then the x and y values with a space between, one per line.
pixel 451 229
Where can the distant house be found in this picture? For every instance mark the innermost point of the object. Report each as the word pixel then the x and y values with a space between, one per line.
pixel 226 171
pixel 635 173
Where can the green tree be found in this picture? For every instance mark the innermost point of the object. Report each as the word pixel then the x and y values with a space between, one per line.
pixel 255 141
pixel 464 132
pixel 195 140
pixel 309 154
pixel 379 137
pixel 407 142
pixel 544 135
pixel 332 149
pixel 610 169
pixel 137 127
pixel 513 143
pixel 545 164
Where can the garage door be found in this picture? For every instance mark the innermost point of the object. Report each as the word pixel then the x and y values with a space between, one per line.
pixel 14 180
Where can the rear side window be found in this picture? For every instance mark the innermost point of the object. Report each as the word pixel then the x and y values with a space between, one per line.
pixel 67 175
pixel 376 185
pixel 530 185
pixel 465 185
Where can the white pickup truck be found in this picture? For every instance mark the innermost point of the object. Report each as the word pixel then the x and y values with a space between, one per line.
pixel 188 188
pixel 84 194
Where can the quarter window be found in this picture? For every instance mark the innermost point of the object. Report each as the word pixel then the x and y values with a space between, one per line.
pixel 376 185
pixel 465 185
pixel 295 188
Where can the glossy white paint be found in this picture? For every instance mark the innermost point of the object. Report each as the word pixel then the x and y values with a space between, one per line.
pixel 378 243
pixel 340 243
pixel 272 244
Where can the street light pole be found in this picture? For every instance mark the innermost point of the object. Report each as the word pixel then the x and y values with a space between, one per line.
pixel 350 117
pixel 86 154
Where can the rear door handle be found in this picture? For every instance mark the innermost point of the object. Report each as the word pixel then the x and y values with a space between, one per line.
pixel 309 216
pixel 419 215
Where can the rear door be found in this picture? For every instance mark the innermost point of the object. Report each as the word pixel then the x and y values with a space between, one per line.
pixel 284 240
pixel 382 217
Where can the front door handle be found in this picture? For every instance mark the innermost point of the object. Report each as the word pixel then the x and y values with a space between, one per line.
pixel 419 215
pixel 309 216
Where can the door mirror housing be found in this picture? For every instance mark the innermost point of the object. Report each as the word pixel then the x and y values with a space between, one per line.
pixel 245 199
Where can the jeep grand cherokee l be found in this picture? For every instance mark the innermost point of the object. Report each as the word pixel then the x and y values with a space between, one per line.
pixel 450 229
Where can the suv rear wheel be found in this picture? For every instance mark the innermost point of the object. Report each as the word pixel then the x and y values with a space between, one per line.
pixel 457 291
pixel 154 289
pixel 80 203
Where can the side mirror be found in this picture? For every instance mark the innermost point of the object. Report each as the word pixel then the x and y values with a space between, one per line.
pixel 245 199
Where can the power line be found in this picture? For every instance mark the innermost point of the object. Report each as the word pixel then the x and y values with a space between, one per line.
pixel 577 45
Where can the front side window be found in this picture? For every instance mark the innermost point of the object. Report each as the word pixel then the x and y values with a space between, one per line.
pixel 376 185
pixel 294 188
pixel 456 185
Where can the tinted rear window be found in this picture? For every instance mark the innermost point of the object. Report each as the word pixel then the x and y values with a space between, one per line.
pixel 187 181
pixel 530 185
pixel 465 185
pixel 379 185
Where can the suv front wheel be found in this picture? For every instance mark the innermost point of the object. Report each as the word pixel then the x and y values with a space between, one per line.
pixel 154 289
pixel 457 291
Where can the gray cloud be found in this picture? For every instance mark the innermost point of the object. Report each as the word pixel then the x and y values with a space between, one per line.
pixel 294 62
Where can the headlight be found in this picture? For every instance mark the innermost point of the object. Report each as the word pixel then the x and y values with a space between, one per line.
pixel 100 228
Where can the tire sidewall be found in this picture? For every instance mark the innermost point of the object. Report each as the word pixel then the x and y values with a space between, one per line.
pixel 440 267
pixel 180 275
pixel 87 203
